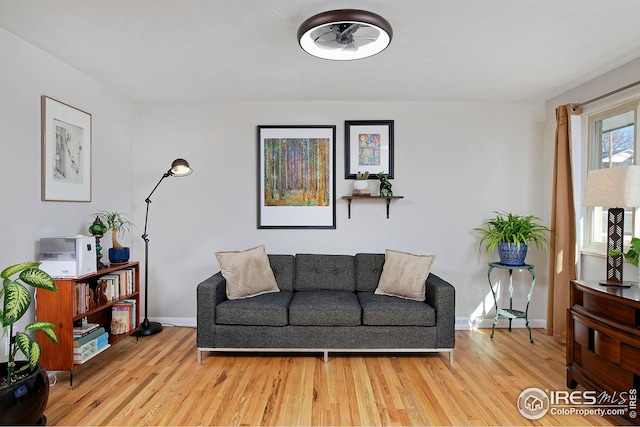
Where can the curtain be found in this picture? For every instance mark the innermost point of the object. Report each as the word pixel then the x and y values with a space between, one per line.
pixel 562 242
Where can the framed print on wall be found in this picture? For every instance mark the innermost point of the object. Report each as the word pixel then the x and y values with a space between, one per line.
pixel 368 146
pixel 66 152
pixel 296 177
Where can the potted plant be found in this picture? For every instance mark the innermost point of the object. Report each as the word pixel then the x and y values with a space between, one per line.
pixel 511 234
pixel 118 223
pixel 361 182
pixel 24 384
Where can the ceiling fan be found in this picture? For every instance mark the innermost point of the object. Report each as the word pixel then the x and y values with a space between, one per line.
pixel 345 34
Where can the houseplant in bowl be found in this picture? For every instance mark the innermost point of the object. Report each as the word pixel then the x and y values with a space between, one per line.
pixel 361 182
pixel 24 384
pixel 511 234
pixel 118 223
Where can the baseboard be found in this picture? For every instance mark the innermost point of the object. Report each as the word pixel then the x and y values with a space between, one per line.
pixel 185 322
pixel 466 323
pixel 462 323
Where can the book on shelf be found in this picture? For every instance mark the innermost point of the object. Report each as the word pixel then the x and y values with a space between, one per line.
pixel 80 331
pixel 119 283
pixel 87 351
pixel 120 318
pixel 80 341
pixel 129 304
pixel 82 297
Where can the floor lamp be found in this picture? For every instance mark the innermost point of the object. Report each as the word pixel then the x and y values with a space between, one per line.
pixel 616 188
pixel 179 167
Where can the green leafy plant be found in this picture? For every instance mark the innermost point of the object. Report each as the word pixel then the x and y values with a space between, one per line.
pixel 512 228
pixel 118 223
pixel 16 300
pixel 363 175
pixel 632 254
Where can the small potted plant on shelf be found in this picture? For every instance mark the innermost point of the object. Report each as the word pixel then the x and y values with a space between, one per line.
pixel 361 184
pixel 118 223
pixel 511 234
pixel 24 384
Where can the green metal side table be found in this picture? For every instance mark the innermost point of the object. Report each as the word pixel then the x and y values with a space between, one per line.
pixel 510 313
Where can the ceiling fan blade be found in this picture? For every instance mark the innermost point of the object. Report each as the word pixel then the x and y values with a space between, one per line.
pixel 350 47
pixel 329 32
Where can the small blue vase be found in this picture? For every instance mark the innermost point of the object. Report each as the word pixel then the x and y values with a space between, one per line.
pixel 512 254
pixel 118 255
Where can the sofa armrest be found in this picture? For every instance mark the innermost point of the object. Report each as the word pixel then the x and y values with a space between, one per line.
pixel 210 293
pixel 441 295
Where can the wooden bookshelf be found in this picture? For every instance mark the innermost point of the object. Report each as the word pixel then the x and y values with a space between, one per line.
pixel 60 308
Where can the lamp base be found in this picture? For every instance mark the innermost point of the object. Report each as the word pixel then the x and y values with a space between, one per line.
pixel 148 328
pixel 624 284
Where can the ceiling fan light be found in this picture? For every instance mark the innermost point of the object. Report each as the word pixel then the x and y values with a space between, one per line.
pixel 327 25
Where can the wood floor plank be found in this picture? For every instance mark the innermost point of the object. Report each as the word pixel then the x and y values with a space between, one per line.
pixel 158 381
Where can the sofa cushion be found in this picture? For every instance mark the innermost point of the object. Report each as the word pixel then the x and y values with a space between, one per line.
pixel 248 273
pixel 284 268
pixel 368 270
pixel 383 310
pixel 325 308
pixel 404 275
pixel 269 309
pixel 325 273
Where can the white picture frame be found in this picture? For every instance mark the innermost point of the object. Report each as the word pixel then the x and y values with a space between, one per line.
pixel 66 152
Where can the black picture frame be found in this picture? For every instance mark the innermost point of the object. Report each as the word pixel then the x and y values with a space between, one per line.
pixel 296 176
pixel 374 159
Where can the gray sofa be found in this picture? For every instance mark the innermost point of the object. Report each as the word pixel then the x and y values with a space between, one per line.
pixel 326 304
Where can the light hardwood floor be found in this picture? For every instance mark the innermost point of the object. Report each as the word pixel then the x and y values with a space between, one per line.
pixel 158 381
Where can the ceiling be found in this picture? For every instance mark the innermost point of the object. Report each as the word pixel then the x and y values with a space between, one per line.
pixel 442 50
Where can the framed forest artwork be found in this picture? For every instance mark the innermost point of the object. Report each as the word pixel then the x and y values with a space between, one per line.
pixel 296 177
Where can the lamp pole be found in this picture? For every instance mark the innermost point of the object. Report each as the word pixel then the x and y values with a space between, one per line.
pixel 179 167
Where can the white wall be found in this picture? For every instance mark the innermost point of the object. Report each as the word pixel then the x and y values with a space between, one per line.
pixel 26 74
pixel 454 162
pixel 592 267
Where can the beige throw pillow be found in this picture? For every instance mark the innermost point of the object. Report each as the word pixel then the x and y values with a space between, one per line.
pixel 404 275
pixel 248 273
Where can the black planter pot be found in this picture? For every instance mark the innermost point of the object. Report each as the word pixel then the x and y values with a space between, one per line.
pixel 118 255
pixel 25 401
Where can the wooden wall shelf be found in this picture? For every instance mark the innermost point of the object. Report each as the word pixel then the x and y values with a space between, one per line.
pixel 387 198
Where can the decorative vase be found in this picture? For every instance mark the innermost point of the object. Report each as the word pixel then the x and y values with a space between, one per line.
pixel 512 254
pixel 360 184
pixel 24 402
pixel 118 255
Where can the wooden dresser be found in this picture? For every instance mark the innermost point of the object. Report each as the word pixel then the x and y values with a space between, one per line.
pixel 603 337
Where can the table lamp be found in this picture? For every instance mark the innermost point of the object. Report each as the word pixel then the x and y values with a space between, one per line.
pixel 616 188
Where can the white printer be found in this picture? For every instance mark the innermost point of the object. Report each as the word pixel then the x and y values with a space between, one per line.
pixel 68 256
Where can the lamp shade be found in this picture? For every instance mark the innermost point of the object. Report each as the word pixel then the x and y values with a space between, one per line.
pixel 180 167
pixel 613 187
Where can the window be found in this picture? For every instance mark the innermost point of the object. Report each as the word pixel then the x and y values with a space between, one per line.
pixel 612 143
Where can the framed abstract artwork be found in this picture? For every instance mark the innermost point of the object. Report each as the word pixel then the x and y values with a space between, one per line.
pixel 296 177
pixel 66 152
pixel 368 146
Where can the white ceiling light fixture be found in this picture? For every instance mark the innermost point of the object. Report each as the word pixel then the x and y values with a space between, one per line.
pixel 345 34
